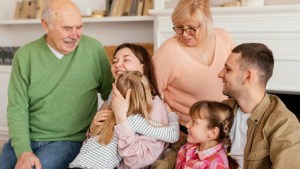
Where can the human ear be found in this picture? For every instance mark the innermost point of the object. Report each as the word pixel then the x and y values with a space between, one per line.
pixel 250 75
pixel 45 25
pixel 214 133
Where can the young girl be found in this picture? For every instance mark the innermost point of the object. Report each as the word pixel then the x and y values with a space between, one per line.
pixel 208 133
pixel 100 150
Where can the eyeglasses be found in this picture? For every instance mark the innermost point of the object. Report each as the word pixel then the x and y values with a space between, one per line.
pixel 189 30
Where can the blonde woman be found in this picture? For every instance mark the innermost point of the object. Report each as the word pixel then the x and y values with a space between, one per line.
pixel 187 65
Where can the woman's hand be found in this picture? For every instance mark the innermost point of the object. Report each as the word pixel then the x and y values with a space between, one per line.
pixel 99 119
pixel 119 104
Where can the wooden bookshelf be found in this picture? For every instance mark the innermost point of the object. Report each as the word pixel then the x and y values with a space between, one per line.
pixel 128 7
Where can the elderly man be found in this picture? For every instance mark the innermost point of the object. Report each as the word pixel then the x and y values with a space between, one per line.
pixel 53 92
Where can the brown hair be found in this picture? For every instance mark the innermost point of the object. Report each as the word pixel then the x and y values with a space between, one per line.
pixel 259 56
pixel 143 56
pixel 218 115
pixel 140 102
pixel 198 10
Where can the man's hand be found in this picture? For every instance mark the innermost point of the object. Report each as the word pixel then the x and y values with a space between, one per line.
pixel 28 160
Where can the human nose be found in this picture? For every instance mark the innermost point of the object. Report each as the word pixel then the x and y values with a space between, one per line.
pixel 221 73
pixel 75 33
pixel 189 124
pixel 185 32
pixel 118 64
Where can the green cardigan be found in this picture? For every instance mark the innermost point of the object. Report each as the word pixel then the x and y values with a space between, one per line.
pixel 53 99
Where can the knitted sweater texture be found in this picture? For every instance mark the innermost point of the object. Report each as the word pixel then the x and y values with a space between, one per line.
pixel 53 99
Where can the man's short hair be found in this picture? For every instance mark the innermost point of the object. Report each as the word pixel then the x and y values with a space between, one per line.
pixel 258 56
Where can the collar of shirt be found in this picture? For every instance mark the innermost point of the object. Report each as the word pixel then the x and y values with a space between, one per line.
pixel 209 152
pixel 258 112
pixel 55 52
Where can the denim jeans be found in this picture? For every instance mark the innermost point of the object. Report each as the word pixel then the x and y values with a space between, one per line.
pixel 52 154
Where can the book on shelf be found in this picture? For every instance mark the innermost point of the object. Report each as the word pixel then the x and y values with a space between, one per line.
pixel 29 9
pixel 24 10
pixel 114 8
pixel 128 7
pixel 139 9
pixel 108 4
pixel 121 7
pixel 148 4
pixel 18 10
pixel 39 6
pixel 133 7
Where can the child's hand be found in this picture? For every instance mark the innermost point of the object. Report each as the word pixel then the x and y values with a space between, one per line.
pixel 99 118
pixel 119 104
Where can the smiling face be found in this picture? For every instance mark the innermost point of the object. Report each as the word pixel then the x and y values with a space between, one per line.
pixel 198 131
pixel 232 76
pixel 125 60
pixel 63 27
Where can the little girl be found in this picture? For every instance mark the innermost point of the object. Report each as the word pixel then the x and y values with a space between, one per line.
pixel 100 150
pixel 208 133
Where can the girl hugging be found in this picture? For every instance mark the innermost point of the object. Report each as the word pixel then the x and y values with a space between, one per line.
pixel 129 124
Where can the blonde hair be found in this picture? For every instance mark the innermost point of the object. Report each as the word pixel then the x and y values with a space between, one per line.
pixel 140 102
pixel 195 10
pixel 218 115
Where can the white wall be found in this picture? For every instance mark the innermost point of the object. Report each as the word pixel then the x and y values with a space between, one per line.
pixel 7 9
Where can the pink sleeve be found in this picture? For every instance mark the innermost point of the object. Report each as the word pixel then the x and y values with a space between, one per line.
pixel 165 61
pixel 159 112
pixel 137 151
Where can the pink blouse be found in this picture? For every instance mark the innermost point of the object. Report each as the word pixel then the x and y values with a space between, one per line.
pixel 139 151
pixel 183 80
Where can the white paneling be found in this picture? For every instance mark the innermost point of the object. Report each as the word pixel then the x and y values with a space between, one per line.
pixel 4 78
pixel 113 33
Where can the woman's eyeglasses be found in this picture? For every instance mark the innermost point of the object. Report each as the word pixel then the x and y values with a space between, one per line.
pixel 189 30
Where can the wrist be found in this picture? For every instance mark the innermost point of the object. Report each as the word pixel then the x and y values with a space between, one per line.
pixel 121 119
